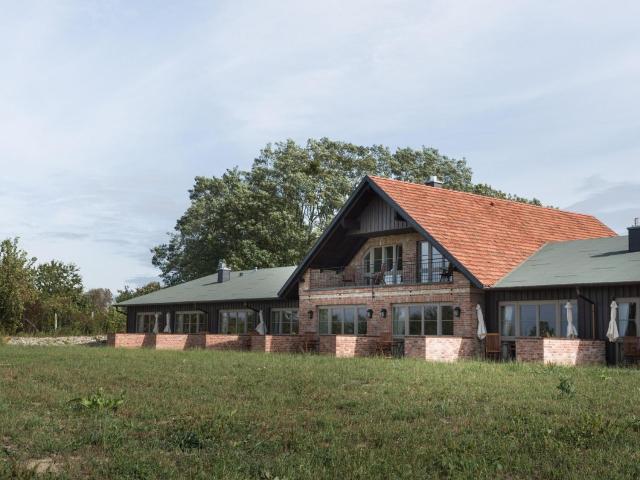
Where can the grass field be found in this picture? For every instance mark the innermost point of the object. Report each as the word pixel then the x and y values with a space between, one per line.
pixel 203 414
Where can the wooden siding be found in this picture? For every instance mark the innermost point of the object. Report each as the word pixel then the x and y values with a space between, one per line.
pixel 378 216
pixel 211 310
pixel 601 296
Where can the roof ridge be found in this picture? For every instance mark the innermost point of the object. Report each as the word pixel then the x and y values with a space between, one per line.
pixel 485 197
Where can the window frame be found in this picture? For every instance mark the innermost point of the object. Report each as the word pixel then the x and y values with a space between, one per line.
pixel 293 311
pixel 427 272
pixel 151 325
pixel 422 306
pixel 356 319
pixel 558 304
pixel 370 263
pixel 635 300
pixel 201 325
pixel 236 311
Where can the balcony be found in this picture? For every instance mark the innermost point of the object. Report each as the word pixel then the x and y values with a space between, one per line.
pixel 407 273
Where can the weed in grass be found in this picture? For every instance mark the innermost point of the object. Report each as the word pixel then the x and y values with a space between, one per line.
pixel 567 387
pixel 101 407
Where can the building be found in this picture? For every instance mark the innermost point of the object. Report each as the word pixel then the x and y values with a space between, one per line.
pixel 405 266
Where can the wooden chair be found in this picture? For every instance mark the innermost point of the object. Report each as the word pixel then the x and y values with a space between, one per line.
pixel 492 344
pixel 310 343
pixel 349 275
pixel 630 350
pixel 446 275
pixel 384 347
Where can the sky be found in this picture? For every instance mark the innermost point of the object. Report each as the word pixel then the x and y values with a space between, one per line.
pixel 109 109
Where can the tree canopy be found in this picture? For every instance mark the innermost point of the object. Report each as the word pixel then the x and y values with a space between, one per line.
pixel 271 214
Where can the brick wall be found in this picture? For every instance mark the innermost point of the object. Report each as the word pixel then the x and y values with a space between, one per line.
pixel 348 345
pixel 440 349
pixel 227 342
pixel 275 343
pixel 459 293
pixel 178 341
pixel 561 351
pixel 131 340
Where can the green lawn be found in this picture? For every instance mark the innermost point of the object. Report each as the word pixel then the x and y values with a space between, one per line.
pixel 203 414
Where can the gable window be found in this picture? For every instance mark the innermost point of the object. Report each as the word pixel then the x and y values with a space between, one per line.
pixel 536 319
pixel 145 321
pixel 237 321
pixel 189 322
pixel 385 260
pixel 351 320
pixel 284 321
pixel 434 267
pixel 422 319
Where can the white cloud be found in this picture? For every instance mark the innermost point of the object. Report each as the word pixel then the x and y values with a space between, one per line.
pixel 109 109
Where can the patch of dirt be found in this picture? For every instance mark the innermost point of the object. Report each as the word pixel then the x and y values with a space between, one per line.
pixel 42 465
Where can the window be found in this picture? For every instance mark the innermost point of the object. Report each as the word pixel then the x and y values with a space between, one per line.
pixel 189 322
pixel 237 321
pixel 389 257
pixel 145 321
pixel 284 322
pixel 536 319
pixel 434 267
pixel 422 319
pixel 627 317
pixel 351 320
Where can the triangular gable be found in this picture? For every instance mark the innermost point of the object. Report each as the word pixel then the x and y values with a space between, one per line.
pixel 365 186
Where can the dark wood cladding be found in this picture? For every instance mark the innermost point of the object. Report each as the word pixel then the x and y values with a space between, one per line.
pixel 378 216
pixel 211 310
pixel 598 296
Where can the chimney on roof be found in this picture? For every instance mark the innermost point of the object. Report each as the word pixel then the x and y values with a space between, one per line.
pixel 634 236
pixel 224 272
pixel 433 182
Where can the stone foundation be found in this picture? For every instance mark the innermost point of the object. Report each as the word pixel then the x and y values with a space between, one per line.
pixel 440 349
pixel 560 351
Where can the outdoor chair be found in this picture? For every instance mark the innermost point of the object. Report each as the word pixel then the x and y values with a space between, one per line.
pixel 492 346
pixel 349 276
pixel 447 274
pixel 310 343
pixel 384 347
pixel 630 350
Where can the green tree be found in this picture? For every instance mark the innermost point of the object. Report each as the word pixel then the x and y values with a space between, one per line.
pixel 16 285
pixel 127 293
pixel 271 215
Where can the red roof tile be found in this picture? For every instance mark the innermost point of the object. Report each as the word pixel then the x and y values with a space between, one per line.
pixel 488 236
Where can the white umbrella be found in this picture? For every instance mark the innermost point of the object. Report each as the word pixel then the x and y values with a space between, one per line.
pixel 155 325
pixel 571 329
pixel 167 324
pixel 612 332
pixel 482 329
pixel 261 328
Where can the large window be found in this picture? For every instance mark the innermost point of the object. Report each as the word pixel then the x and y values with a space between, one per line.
pixel 627 317
pixel 145 321
pixel 237 321
pixel 536 319
pixel 189 322
pixel 434 267
pixel 351 320
pixel 284 321
pixel 422 319
pixel 387 259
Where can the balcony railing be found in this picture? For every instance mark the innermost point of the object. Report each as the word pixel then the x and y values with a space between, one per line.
pixel 407 273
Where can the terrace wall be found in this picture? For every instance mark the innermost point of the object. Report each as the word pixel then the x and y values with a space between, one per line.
pixel 560 351
pixel 440 349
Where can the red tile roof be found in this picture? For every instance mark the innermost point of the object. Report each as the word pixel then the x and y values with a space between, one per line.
pixel 488 236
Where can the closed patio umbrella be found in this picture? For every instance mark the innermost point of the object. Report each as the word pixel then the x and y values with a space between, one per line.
pixel 155 325
pixel 261 328
pixel 167 324
pixel 482 329
pixel 612 332
pixel 571 329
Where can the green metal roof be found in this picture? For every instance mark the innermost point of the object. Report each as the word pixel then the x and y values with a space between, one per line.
pixel 260 284
pixel 578 262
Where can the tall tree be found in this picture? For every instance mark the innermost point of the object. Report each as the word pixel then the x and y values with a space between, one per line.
pixel 127 293
pixel 270 215
pixel 99 299
pixel 16 285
